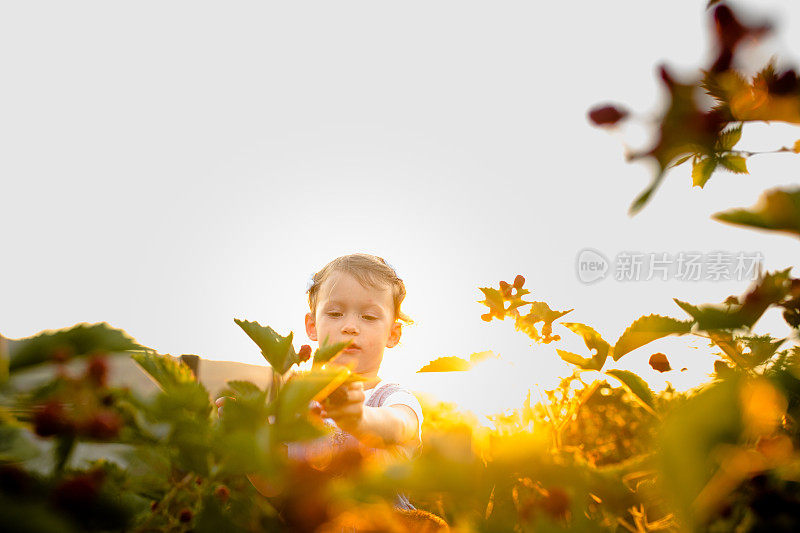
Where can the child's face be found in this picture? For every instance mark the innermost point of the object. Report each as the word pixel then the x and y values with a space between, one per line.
pixel 346 310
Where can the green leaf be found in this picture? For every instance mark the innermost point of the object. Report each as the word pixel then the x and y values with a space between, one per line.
pixel 636 386
pixel 776 210
pixel 446 364
pixel 291 405
pixel 277 350
pixel 15 446
pixel 769 289
pixel 168 372
pixel 735 163
pixel 245 389
pixel 249 409
pixel 702 170
pixel 326 352
pixel 593 341
pixel 79 340
pixel 640 201
pixel 762 348
pixel 728 139
pixel 646 329
pixel 689 443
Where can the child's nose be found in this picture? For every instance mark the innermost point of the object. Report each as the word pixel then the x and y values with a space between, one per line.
pixel 350 327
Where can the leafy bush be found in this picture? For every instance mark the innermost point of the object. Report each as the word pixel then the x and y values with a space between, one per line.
pixel 599 454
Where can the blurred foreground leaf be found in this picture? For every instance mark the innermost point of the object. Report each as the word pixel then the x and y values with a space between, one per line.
pixel 79 340
pixel 776 210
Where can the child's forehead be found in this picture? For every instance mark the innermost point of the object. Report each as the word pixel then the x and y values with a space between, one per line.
pixel 344 283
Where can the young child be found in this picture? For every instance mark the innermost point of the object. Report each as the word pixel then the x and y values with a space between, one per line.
pixel 357 298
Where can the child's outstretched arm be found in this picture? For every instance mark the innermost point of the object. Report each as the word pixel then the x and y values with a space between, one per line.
pixel 375 426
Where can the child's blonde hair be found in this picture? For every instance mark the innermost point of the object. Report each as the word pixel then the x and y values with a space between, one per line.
pixel 370 271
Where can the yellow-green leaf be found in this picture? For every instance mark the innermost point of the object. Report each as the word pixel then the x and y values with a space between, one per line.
pixel 702 170
pixel 776 209
pixel 796 147
pixel 647 329
pixel 728 139
pixel 735 163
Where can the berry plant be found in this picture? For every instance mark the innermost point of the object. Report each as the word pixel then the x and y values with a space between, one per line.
pixel 599 452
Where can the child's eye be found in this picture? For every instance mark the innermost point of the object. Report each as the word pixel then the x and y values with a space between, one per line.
pixel 334 314
pixel 370 317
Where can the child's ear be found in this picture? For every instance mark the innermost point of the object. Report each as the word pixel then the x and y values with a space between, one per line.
pixel 394 335
pixel 311 327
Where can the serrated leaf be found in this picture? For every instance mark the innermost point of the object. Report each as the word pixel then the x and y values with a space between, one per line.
pixel 776 210
pixel 735 163
pixel 646 329
pixel 168 372
pixel 728 139
pixel 702 170
pixel 762 348
pixel 711 317
pixel 245 389
pixel 277 350
pixel 446 364
pixel 79 340
pixel 636 386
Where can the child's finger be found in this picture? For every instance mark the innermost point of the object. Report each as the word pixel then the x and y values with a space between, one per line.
pixel 220 403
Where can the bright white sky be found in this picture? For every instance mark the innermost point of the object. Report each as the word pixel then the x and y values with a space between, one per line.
pixel 168 166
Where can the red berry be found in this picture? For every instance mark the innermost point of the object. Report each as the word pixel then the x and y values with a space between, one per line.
pixel 304 354
pixel 660 362
pixel 185 515
pixel 222 493
pixel 104 425
pixel 487 317
pixel 519 281
pixel 78 491
pixel 556 503
pixel 61 354
pixel 606 115
pixel 52 419
pixel 97 371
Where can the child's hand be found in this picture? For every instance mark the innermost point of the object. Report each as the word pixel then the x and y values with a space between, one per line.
pixel 220 402
pixel 345 406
